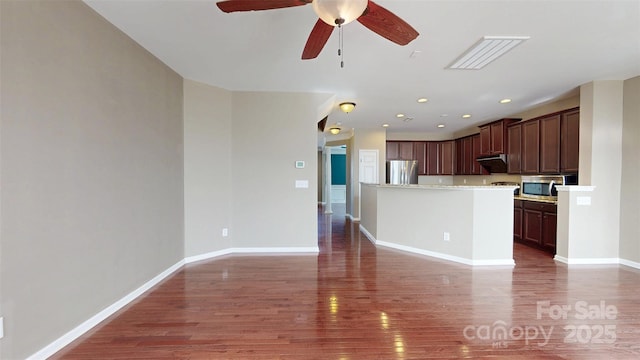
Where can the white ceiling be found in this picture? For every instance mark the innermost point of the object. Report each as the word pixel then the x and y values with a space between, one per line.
pixel 572 43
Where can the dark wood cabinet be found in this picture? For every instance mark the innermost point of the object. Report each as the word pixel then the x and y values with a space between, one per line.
pixel 497 137
pixel 485 140
pixel 467 150
pixel 493 137
pixel 420 154
pixel 514 148
pixel 539 225
pixel 400 150
pixel 517 220
pixel 433 156
pixel 464 156
pixel 549 230
pixel 440 157
pixel 530 156
pixel 550 144
pixel 476 168
pixel 447 157
pixel 406 150
pixel 393 150
pixel 570 141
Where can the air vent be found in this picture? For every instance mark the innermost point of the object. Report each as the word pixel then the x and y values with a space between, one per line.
pixel 485 51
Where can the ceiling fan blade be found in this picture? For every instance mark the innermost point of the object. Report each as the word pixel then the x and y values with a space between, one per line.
pixel 318 37
pixel 255 5
pixel 386 24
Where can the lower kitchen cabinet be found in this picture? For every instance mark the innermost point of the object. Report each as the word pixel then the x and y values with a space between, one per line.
pixel 517 220
pixel 538 224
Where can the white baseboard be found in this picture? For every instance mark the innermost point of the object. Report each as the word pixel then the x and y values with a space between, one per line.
pixel 492 262
pixel 368 234
pixel 277 250
pixel 437 255
pixel 587 261
pixel 630 263
pixel 79 330
pixel 597 261
pixel 207 256
pixel 353 219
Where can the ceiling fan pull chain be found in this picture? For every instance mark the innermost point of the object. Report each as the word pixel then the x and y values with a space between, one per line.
pixel 341 46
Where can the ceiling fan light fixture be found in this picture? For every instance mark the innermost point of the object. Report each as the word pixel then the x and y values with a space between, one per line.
pixel 334 130
pixel 347 107
pixel 339 12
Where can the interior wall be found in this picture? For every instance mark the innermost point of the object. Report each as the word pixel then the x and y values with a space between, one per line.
pixel 92 169
pixel 207 164
pixel 270 132
pixel 601 122
pixel 630 179
pixel 365 139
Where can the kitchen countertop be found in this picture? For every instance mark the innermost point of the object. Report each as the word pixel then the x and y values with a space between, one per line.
pixel 445 187
pixel 518 197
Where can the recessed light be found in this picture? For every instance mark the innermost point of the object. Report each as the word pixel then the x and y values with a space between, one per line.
pixel 466 116
pixel 440 125
pixel 423 100
pixel 444 115
pixel 385 125
pixel 505 101
pixel 400 115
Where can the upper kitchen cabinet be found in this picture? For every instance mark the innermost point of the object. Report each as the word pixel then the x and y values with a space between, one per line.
pixel 476 168
pixel 570 141
pixel 493 137
pixel 467 150
pixel 550 144
pixel 530 157
pixel 514 148
pixel 440 157
pixel 447 157
pixel 420 153
pixel 400 150
pixel 545 145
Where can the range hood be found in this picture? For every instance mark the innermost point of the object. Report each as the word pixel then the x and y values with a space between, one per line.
pixel 494 163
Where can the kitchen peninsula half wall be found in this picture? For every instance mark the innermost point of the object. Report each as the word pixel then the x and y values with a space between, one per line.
pixel 472 225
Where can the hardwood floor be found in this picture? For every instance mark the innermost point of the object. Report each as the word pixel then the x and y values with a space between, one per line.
pixel 356 301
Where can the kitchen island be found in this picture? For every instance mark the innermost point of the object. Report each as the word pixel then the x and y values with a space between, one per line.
pixel 467 224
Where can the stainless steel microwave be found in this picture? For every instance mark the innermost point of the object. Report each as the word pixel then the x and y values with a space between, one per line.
pixel 544 186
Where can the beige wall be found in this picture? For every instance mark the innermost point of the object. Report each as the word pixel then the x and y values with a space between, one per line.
pixel 92 169
pixel 270 132
pixel 600 165
pixel 364 139
pixel 207 164
pixel 630 179
pixel 416 217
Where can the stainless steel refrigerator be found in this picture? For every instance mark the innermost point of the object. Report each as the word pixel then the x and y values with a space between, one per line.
pixel 402 172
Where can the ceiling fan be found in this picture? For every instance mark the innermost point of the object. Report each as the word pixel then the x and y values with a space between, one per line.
pixel 334 13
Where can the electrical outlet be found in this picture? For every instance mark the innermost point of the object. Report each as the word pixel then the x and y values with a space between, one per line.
pixel 1 327
pixel 446 236
pixel 225 232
